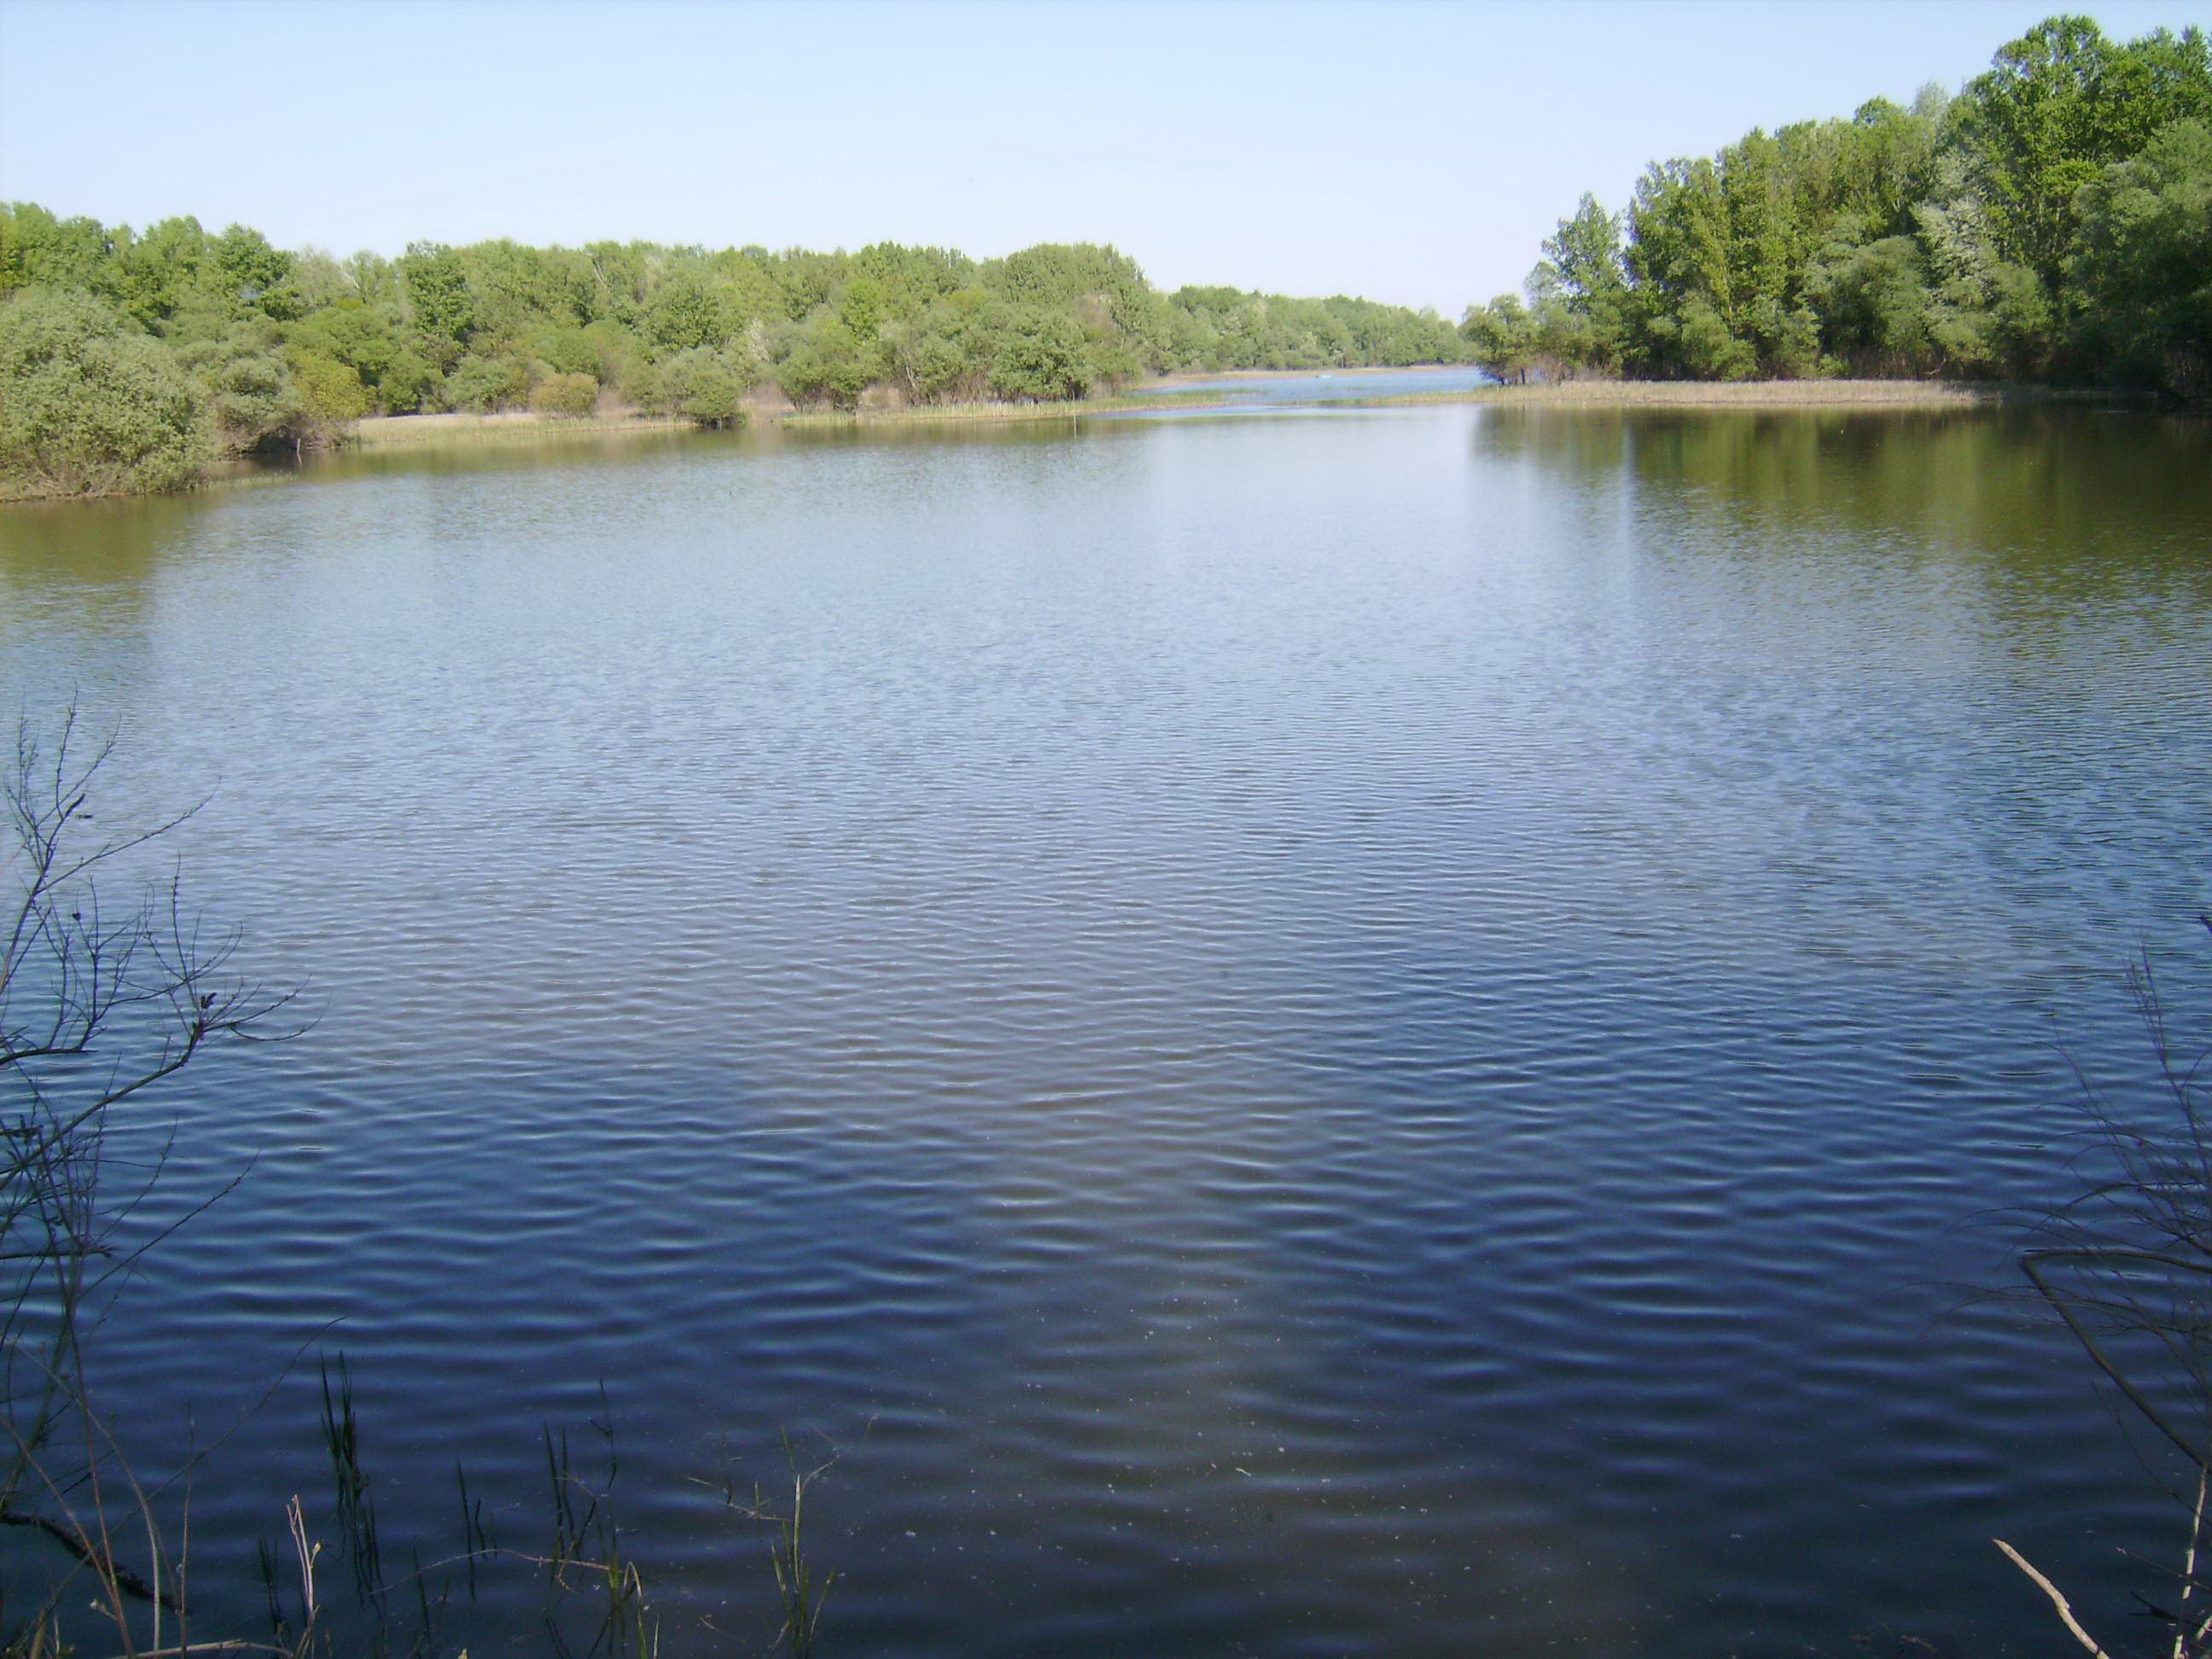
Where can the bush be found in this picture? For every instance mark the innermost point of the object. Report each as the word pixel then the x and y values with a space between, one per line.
pixel 567 351
pixel 1709 349
pixel 481 384
pixel 830 365
pixel 248 386
pixel 407 385
pixel 331 394
pixel 90 405
pixel 642 385
pixel 1043 360
pixel 569 395
pixel 701 387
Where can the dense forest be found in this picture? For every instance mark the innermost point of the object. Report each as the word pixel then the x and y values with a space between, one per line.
pixel 2053 220
pixel 128 358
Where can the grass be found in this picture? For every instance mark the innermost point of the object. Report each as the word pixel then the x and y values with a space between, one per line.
pixel 410 431
pixel 962 414
pixel 391 432
pixel 1570 394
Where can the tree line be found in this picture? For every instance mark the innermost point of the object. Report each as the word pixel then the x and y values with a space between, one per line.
pixel 2050 222
pixel 128 357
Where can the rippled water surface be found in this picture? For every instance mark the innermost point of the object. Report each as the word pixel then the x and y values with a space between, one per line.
pixel 1327 1034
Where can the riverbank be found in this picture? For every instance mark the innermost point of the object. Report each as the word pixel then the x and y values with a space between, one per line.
pixel 1571 394
pixel 380 432
pixel 388 434
pixel 962 414
pixel 1263 376
pixel 403 431
pixel 1741 394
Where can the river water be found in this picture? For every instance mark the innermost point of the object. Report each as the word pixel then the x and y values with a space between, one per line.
pixel 1375 1031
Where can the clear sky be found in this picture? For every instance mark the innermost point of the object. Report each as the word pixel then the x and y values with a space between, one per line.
pixel 1408 152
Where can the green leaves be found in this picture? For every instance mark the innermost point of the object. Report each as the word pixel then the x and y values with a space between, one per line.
pixel 89 405
pixel 254 346
pixel 2142 276
pixel 2050 220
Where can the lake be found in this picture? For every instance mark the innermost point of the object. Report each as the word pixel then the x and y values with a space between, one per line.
pixel 1324 385
pixel 1379 1031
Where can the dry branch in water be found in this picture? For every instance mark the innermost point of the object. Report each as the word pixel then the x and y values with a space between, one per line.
pixel 2126 1267
pixel 101 1001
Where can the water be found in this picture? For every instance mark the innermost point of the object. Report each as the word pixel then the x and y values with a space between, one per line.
pixel 1380 1032
pixel 1323 387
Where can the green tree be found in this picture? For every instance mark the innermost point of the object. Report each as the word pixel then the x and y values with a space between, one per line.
pixel 153 278
pixel 1873 299
pixel 2056 106
pixel 441 307
pixel 252 277
pixel 2142 280
pixel 1583 269
pixel 37 250
pixel 1502 338
pixel 829 365
pixel 687 312
pixel 1044 358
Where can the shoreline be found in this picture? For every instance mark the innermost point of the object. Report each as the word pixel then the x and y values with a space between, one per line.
pixel 391 432
pixel 1209 377
pixel 424 433
pixel 400 431
pixel 922 413
pixel 404 431
pixel 1741 394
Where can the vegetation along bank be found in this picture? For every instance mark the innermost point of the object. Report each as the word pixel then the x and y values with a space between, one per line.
pixel 2052 221
pixel 2050 224
pixel 131 359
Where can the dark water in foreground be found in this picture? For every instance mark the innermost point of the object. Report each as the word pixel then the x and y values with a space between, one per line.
pixel 1356 1034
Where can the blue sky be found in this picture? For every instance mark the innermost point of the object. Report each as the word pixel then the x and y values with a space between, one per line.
pixel 1410 152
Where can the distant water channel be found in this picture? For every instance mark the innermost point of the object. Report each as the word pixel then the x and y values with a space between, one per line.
pixel 1390 1032
pixel 1324 387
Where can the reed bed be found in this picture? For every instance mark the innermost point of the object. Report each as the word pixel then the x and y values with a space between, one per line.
pixel 403 431
pixel 981 413
pixel 410 431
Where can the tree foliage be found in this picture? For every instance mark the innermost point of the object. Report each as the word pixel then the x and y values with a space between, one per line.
pixel 2047 222
pixel 280 348
pixel 91 405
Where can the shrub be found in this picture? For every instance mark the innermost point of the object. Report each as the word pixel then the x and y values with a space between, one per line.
pixel 330 393
pixel 1044 360
pixel 829 365
pixel 248 385
pixel 407 385
pixel 484 384
pixel 567 351
pixel 642 385
pixel 91 405
pixel 568 395
pixel 700 387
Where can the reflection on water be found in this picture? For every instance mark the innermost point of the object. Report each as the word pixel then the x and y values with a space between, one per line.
pixel 1352 1034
